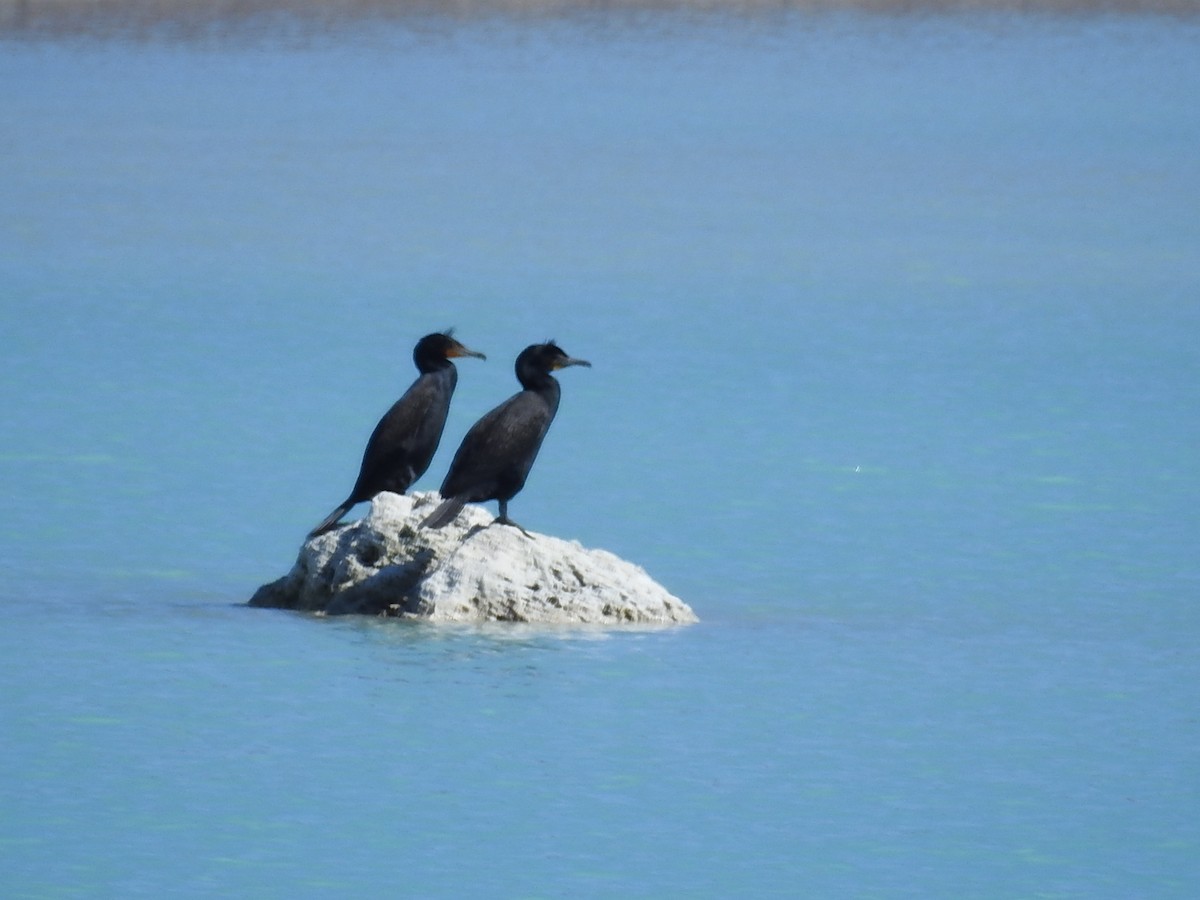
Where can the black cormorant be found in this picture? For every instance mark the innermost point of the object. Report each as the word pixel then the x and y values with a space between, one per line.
pixel 403 443
pixel 495 457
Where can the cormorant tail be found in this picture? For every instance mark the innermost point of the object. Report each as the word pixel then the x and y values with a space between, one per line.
pixel 332 519
pixel 445 513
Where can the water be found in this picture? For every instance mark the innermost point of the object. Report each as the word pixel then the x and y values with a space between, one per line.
pixel 893 321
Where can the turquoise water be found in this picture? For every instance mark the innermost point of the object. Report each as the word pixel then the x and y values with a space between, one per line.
pixel 893 323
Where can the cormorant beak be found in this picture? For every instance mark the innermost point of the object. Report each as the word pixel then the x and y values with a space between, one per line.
pixel 460 350
pixel 571 361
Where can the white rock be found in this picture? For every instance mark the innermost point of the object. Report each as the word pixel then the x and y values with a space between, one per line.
pixel 386 564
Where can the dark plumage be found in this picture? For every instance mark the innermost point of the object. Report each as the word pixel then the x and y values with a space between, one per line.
pixel 403 443
pixel 496 455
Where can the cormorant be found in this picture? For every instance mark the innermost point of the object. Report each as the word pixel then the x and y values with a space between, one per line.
pixel 496 455
pixel 403 443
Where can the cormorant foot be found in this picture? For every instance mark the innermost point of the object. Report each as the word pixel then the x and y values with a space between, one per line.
pixel 505 520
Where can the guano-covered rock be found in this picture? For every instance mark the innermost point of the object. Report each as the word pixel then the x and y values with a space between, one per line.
pixel 469 571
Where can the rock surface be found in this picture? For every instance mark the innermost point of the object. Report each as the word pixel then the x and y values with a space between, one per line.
pixel 386 564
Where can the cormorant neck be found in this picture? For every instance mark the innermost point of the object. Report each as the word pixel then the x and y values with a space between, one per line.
pixel 537 380
pixel 428 365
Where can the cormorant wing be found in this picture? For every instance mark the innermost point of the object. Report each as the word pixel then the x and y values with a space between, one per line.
pixel 404 441
pixel 498 451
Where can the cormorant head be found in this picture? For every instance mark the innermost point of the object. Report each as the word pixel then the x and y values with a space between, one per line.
pixel 541 359
pixel 433 350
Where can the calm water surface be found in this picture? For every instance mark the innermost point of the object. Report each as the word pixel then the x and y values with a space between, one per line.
pixel 893 323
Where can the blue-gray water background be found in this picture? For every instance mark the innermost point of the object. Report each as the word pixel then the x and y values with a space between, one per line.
pixel 893 321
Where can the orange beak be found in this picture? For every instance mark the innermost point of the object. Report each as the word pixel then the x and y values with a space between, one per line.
pixel 571 361
pixel 459 350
